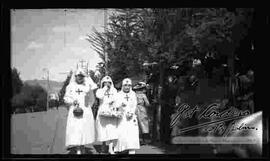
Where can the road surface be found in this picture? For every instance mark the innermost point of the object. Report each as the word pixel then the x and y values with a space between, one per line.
pixel 44 133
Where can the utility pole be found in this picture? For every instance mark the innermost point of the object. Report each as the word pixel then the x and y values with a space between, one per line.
pixel 48 87
pixel 65 28
pixel 105 52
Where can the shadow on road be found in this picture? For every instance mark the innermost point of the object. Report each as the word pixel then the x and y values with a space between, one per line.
pixel 185 150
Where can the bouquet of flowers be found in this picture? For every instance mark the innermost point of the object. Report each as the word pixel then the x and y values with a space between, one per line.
pixel 129 115
pixel 106 113
pixel 112 111
pixel 117 112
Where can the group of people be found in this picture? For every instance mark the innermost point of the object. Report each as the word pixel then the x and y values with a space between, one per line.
pixel 120 133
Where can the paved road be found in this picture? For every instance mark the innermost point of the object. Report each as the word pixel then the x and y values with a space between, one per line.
pixel 44 133
pixel 59 141
pixel 32 133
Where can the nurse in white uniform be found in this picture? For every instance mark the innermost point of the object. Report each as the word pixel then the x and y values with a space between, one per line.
pixel 128 130
pixel 80 128
pixel 106 126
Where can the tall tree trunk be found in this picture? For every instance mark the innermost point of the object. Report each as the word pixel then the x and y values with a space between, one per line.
pixel 155 106
pixel 160 90
pixel 231 78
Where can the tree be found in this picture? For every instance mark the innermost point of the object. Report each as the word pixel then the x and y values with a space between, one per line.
pixel 169 37
pixel 30 97
pixel 120 40
pixel 39 95
pixel 18 101
pixel 16 82
pixel 221 32
pixel 41 101
pixel 144 34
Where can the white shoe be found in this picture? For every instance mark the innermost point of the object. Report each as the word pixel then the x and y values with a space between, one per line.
pixel 79 152
pixel 111 152
pixel 131 152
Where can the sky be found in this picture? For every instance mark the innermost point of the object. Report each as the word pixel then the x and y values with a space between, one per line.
pixel 52 39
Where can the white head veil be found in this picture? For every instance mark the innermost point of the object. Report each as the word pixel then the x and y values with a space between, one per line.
pixel 107 79
pixel 127 81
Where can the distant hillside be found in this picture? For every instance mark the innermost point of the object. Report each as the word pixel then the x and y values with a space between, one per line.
pixel 54 85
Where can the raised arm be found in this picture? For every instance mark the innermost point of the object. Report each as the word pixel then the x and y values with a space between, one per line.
pixel 68 98
pixel 101 92
pixel 91 83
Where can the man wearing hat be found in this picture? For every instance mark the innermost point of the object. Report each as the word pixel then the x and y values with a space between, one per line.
pixel 142 111
pixel 128 130
pixel 80 129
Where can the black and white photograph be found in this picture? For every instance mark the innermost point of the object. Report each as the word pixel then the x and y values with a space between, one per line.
pixel 135 82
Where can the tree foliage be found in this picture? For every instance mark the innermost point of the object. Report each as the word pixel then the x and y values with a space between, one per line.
pixel 30 97
pixel 169 37
pixel 121 43
pixel 26 96
pixel 16 82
